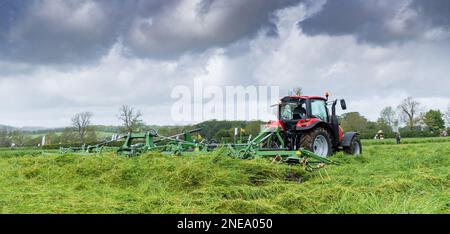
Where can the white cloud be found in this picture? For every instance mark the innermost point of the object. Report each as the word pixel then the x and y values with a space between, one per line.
pixel 369 77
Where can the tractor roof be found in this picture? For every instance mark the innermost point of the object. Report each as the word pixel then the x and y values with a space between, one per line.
pixel 303 97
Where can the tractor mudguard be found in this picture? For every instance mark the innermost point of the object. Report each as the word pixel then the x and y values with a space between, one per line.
pixel 309 125
pixel 348 136
pixel 305 128
pixel 314 125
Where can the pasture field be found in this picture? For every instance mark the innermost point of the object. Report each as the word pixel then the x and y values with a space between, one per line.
pixel 391 141
pixel 100 134
pixel 387 178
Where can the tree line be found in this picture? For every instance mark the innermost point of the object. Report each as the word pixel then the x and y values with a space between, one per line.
pixel 409 118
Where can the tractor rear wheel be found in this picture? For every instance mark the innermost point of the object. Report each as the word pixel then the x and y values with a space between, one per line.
pixel 318 141
pixel 355 147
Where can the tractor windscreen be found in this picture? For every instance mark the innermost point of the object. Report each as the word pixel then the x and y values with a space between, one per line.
pixel 293 110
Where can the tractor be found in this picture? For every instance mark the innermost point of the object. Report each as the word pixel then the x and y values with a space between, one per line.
pixel 306 122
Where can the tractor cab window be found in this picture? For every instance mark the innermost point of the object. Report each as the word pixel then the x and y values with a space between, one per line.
pixel 319 109
pixel 293 111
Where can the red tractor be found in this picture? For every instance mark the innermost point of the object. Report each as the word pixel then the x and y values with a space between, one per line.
pixel 306 122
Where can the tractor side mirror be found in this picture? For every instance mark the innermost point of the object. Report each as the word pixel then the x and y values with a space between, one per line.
pixel 343 104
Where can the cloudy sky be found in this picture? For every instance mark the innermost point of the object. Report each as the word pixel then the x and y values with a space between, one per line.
pixel 58 57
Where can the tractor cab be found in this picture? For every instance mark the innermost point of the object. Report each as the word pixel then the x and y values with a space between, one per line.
pixel 291 110
pixel 301 112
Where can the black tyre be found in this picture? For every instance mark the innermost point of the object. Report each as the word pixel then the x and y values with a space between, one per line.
pixel 213 141
pixel 153 132
pixel 355 147
pixel 318 141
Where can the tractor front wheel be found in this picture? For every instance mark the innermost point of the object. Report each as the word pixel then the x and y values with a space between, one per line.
pixel 355 147
pixel 318 141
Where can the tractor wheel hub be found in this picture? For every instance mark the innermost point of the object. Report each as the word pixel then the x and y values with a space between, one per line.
pixel 320 146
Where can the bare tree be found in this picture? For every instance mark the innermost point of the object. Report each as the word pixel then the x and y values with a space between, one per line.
pixel 131 118
pixel 81 122
pixel 388 115
pixel 410 112
pixel 297 91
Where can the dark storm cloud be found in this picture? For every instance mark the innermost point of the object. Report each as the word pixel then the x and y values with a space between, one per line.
pixel 79 31
pixel 435 12
pixel 37 33
pixel 72 31
pixel 379 21
pixel 213 24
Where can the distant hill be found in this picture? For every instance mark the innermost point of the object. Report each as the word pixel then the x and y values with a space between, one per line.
pixel 28 128
pixel 7 128
pixel 31 128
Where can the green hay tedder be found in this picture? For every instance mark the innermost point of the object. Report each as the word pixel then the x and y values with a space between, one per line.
pixel 184 144
pixel 306 133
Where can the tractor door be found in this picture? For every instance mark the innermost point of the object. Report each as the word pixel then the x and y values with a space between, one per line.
pixel 319 110
pixel 291 112
pixel 334 122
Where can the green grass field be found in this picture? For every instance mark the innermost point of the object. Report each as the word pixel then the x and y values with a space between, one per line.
pixel 391 141
pixel 387 178
pixel 100 134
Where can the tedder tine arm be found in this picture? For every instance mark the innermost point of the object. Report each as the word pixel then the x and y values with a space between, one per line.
pixel 310 154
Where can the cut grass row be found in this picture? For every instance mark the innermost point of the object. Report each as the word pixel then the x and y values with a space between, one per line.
pixel 386 179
